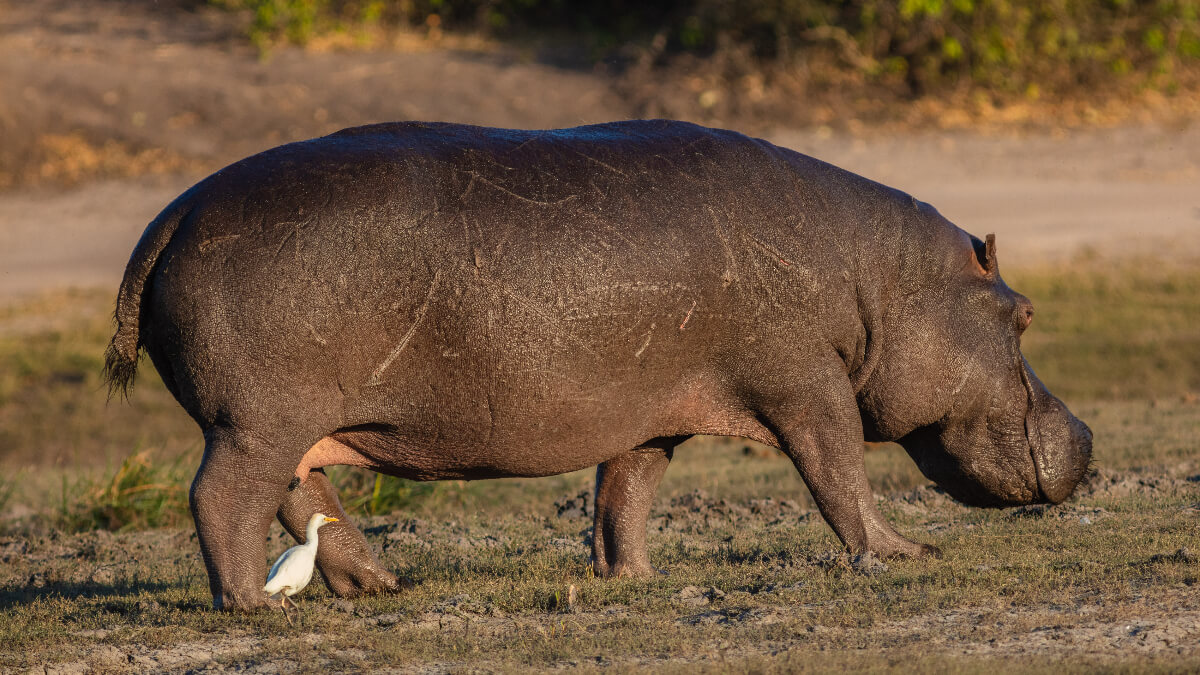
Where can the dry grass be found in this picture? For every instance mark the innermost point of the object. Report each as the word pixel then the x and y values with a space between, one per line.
pixel 71 158
pixel 1099 575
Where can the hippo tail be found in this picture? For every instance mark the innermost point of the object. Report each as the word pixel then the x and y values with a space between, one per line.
pixel 121 357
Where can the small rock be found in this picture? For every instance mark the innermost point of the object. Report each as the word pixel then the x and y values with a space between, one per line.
pixel 868 563
pixel 691 595
pixel 1183 555
pixel 1084 520
pixel 343 605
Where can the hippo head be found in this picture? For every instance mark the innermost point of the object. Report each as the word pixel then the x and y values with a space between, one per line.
pixel 952 387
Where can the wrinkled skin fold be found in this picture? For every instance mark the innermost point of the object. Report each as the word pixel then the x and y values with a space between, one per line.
pixel 439 301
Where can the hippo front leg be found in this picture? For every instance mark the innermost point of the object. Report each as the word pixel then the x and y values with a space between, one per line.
pixel 821 431
pixel 343 555
pixel 625 488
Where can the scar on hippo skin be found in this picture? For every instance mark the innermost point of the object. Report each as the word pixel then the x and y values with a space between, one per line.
pixel 870 322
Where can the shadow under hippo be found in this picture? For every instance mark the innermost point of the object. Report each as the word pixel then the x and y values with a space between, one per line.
pixel 439 301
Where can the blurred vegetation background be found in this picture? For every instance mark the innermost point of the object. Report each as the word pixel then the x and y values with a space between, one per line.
pixel 1007 48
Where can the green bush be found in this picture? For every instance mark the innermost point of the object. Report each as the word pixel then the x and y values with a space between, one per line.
pixel 1023 46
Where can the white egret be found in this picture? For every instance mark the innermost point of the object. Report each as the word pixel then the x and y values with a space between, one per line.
pixel 294 569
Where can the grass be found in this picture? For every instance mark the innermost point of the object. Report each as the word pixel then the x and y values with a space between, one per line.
pixel 1005 578
pixel 1097 583
pixel 1125 333
pixel 144 492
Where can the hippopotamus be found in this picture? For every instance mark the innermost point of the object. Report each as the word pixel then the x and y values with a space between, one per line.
pixel 440 301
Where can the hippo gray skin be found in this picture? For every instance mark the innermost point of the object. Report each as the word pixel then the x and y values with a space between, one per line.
pixel 439 301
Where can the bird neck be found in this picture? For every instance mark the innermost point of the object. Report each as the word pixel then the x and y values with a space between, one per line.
pixel 310 535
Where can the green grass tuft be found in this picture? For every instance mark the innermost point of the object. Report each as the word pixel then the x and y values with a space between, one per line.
pixel 143 493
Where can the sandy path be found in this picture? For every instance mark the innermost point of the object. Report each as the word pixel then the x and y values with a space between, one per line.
pixel 1114 192
pixel 81 237
pixel 1129 192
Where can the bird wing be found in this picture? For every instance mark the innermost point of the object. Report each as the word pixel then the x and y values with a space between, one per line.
pixel 275 568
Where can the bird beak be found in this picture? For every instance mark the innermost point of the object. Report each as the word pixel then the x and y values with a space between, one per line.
pixel 330 520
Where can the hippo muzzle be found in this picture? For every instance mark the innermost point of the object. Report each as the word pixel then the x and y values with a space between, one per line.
pixel 1060 444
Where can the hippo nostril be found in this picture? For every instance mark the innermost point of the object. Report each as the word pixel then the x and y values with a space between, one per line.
pixel 1024 312
pixel 1024 317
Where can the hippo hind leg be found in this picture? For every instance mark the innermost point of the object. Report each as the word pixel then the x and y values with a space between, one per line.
pixel 625 488
pixel 237 491
pixel 343 556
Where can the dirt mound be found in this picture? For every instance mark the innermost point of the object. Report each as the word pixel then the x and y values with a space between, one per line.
pixel 96 89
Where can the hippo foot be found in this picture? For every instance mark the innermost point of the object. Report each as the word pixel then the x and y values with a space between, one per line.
pixel 624 570
pixel 244 601
pixel 365 580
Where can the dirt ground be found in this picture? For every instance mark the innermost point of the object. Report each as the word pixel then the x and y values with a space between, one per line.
pixel 110 109
pixel 746 588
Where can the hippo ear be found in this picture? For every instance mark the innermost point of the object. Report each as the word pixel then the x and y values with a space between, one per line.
pixel 989 255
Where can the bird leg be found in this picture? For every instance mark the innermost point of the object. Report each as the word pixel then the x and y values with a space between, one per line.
pixel 283 600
